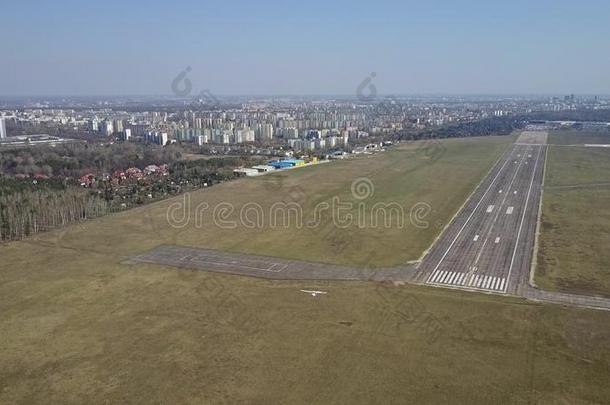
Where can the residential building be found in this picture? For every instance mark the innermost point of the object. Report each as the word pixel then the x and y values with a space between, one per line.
pixel 2 128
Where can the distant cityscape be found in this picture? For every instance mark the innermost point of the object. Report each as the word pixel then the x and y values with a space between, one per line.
pixel 288 123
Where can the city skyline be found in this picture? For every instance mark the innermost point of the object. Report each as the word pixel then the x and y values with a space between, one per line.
pixel 278 48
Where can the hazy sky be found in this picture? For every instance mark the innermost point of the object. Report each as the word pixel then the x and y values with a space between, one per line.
pixel 305 47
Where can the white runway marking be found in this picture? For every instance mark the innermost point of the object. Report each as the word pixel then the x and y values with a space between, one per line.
pixel 482 282
pixel 470 216
pixel 527 199
pixel 497 214
pixel 471 278
pixel 271 268
pixel 455 278
pixel 501 204
pixel 219 260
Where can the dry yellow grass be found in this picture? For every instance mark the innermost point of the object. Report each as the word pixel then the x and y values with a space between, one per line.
pixel 575 232
pixel 77 326
pixel 404 176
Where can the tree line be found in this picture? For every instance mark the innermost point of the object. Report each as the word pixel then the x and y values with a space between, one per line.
pixel 602 115
pixel 74 160
pixel 484 127
pixel 30 206
pixel 27 212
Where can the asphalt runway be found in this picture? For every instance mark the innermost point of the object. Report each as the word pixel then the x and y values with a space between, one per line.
pixel 489 245
pixel 264 266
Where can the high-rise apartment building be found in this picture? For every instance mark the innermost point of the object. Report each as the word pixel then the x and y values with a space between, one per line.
pixel 2 128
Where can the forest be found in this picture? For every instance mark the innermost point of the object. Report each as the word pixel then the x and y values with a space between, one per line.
pixel 602 115
pixel 488 126
pixel 28 212
pixel 40 188
pixel 74 160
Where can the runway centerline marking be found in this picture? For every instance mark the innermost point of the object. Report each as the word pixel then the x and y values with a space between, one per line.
pixel 529 191
pixel 472 213
pixel 512 180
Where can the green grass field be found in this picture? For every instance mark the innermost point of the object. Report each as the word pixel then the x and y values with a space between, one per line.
pixel 404 176
pixel 575 229
pixel 569 166
pixel 575 137
pixel 77 326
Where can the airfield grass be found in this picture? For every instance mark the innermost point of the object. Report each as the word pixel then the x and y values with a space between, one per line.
pixel 79 326
pixel 290 214
pixel 573 254
pixel 577 166
pixel 579 137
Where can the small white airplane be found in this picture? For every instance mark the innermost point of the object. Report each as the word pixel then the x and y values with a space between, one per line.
pixel 313 293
